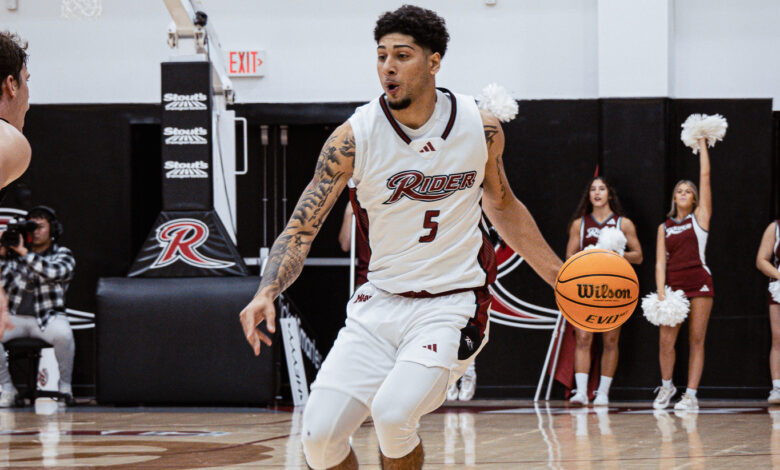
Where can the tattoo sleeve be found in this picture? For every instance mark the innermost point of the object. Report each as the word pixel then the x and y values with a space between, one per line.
pixel 334 167
pixel 491 132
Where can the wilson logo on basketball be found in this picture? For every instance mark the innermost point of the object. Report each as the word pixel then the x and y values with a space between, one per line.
pixel 588 291
pixel 416 186
pixel 192 136
pixel 177 102
pixel 180 239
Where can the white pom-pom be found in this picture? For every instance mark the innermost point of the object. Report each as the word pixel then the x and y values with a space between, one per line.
pixel 612 238
pixel 671 311
pixel 590 247
pixel 774 289
pixel 497 100
pixel 713 128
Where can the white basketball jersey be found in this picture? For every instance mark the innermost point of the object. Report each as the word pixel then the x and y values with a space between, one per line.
pixel 419 193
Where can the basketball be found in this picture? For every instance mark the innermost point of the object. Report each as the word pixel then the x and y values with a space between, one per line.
pixel 597 290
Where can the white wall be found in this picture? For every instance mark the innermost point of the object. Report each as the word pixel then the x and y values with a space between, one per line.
pixel 316 51
pixel 324 51
pixel 727 49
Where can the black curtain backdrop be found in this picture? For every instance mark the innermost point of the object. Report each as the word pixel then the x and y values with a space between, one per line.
pixel 94 164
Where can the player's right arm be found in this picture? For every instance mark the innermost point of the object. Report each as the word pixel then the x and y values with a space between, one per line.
pixel 285 261
pixel 574 238
pixel 764 256
pixel 15 153
pixel 660 262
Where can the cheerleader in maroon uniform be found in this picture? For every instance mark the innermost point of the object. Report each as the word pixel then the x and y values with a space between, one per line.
pixel 680 264
pixel 768 261
pixel 599 209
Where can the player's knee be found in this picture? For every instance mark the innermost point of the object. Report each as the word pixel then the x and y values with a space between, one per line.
pixel 610 344
pixel 322 446
pixel 583 339
pixel 388 416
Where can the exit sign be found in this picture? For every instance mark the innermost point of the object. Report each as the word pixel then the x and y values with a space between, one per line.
pixel 246 63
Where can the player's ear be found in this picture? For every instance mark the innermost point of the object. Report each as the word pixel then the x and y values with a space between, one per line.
pixel 434 63
pixel 8 86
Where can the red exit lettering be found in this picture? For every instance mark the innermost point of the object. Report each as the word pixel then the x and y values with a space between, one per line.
pixel 244 62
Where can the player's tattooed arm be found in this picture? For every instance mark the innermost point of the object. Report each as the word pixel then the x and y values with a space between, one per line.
pixel 334 168
pixel 510 217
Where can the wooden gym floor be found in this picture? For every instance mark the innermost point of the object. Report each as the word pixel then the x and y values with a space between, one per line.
pixel 481 434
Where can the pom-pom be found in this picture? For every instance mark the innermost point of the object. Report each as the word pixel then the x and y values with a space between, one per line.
pixel 590 247
pixel 612 238
pixel 497 100
pixel 671 311
pixel 774 289
pixel 712 128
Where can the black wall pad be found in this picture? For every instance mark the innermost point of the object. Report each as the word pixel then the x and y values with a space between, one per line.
pixel 179 341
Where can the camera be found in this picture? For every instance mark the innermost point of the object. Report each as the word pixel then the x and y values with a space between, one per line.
pixel 16 228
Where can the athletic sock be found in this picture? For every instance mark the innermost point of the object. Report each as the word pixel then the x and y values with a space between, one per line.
pixel 691 392
pixel 776 384
pixel 604 384
pixel 582 382
pixel 667 383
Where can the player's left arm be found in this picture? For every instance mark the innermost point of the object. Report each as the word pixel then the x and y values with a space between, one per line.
pixel 703 209
pixel 509 216
pixel 633 251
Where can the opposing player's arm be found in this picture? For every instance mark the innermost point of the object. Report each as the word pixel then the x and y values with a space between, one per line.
pixel 704 207
pixel 660 261
pixel 511 218
pixel 285 261
pixel 765 249
pixel 633 251
pixel 573 245
pixel 15 153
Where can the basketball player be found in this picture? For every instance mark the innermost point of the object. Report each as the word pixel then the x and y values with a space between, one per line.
pixel 422 159
pixel 680 263
pixel 599 208
pixel 770 250
pixel 14 149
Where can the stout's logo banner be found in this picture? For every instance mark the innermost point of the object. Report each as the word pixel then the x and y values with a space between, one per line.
pixel 186 136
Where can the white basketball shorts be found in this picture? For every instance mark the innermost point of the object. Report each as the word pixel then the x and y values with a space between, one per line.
pixel 382 328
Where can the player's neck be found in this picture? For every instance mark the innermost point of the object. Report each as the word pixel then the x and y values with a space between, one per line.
pixel 417 113
pixel 683 213
pixel 7 115
pixel 602 212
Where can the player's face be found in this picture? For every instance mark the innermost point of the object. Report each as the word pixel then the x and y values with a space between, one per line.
pixel 20 97
pixel 684 196
pixel 405 69
pixel 599 195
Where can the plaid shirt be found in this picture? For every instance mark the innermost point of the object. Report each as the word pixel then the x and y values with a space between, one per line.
pixel 48 274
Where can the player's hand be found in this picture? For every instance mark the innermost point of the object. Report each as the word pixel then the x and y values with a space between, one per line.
pixel 259 309
pixel 5 316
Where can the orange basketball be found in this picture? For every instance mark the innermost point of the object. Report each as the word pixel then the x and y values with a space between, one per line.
pixel 596 290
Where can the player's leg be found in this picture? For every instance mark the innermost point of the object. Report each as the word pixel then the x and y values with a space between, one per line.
pixel 329 420
pixel 699 318
pixel 774 354
pixel 410 391
pixel 609 360
pixel 584 342
pixel 667 337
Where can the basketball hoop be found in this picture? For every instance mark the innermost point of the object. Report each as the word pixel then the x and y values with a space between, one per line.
pixel 78 9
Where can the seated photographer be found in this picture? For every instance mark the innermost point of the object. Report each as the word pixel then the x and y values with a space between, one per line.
pixel 35 276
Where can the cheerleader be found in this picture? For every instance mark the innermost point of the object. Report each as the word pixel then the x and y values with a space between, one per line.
pixel 770 250
pixel 599 221
pixel 680 264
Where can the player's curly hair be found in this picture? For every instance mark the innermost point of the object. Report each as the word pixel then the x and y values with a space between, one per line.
pixel 13 56
pixel 425 26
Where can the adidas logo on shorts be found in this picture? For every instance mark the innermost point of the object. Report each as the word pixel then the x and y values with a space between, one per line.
pixel 704 288
pixel 430 347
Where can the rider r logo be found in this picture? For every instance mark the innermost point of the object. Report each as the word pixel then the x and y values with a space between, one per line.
pixel 180 239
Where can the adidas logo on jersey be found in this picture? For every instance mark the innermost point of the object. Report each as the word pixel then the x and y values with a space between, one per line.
pixel 362 298
pixel 177 102
pixel 186 169
pixel 430 347
pixel 611 222
pixel 192 136
pixel 428 148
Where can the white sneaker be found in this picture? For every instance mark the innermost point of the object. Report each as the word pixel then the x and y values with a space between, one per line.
pixel 468 385
pixel 664 396
pixel 774 396
pixel 8 397
pixel 601 399
pixel 452 392
pixel 687 402
pixel 579 398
